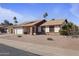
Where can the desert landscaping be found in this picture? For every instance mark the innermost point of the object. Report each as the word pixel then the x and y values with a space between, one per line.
pixel 51 32
pixel 66 42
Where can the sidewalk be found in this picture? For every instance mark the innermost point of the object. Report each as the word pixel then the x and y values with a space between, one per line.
pixel 40 49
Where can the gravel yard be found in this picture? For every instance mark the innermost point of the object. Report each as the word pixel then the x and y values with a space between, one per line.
pixel 58 41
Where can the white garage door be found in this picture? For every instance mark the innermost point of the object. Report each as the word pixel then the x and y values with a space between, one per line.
pixel 19 31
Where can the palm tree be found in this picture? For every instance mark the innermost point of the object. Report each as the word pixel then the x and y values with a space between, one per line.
pixel 15 20
pixel 45 15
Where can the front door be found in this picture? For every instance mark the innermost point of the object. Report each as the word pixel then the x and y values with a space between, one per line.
pixel 34 30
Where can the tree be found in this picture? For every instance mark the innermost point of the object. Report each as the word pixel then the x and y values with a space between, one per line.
pixel 10 23
pixel 15 20
pixel 6 22
pixel 69 29
pixel 45 15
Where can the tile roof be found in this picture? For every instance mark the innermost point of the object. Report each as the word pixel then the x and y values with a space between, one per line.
pixel 53 22
pixel 31 23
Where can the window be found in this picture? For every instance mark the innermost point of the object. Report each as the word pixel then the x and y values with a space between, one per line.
pixel 43 29
pixel 39 29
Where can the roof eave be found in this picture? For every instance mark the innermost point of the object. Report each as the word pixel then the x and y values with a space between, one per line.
pixel 51 25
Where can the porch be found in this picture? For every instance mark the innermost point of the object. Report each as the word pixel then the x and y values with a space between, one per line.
pixel 32 30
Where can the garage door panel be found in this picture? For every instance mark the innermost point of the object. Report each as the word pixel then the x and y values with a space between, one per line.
pixel 18 31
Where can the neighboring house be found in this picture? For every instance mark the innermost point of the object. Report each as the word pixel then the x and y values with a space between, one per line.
pixel 32 27
pixel 3 29
pixel 10 29
pixel 53 26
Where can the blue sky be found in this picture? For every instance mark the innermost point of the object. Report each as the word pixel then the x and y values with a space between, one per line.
pixel 34 11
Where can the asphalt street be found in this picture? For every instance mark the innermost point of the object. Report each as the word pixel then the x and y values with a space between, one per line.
pixel 10 51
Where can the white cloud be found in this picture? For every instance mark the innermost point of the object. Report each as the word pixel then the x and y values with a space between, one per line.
pixel 9 14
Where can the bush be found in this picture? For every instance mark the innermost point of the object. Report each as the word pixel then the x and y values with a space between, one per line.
pixel 19 36
pixel 69 29
pixel 63 32
pixel 49 39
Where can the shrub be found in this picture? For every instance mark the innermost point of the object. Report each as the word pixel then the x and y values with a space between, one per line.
pixel 50 39
pixel 63 32
pixel 19 36
pixel 69 29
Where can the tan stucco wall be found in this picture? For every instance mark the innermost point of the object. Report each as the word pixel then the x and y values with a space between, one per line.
pixel 10 30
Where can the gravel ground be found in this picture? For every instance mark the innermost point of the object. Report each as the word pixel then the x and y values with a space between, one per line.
pixel 58 41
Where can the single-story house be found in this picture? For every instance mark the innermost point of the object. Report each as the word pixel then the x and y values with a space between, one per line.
pixel 38 27
pixel 53 26
pixel 32 27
